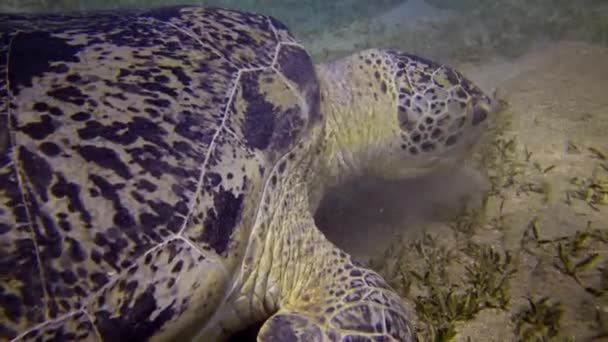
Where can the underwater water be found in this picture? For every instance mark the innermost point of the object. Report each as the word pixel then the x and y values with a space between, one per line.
pixel 513 245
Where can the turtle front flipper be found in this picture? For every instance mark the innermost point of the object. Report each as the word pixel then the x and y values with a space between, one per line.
pixel 355 304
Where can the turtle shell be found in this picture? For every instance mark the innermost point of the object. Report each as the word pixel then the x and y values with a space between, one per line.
pixel 134 149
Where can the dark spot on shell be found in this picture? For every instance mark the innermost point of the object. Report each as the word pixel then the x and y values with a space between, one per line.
pixel 80 116
pixel 62 188
pixel 40 107
pixel 297 66
pixel 55 111
pixel 110 192
pixel 178 267
pixel 32 54
pixel 75 250
pixel 157 87
pixel 161 79
pixel 106 158
pixel 132 321
pixel 100 279
pixel 181 75
pixel 259 116
pixel 68 277
pixel 160 103
pixel 22 266
pixel 69 94
pixel 212 178
pixel 221 220
pixel 148 220
pixel 146 185
pixel 73 78
pixel 37 171
pixel 50 149
pixel 92 130
pixel 39 130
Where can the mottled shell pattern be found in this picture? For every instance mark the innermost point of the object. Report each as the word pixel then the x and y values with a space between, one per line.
pixel 134 147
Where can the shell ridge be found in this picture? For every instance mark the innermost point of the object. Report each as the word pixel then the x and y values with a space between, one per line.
pixel 274 31
pixel 201 252
pixel 197 39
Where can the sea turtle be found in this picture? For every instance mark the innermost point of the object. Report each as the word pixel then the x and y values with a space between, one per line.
pixel 160 169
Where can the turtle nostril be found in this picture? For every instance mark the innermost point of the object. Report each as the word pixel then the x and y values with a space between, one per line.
pixel 479 115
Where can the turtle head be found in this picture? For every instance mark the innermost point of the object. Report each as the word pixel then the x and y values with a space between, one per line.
pixel 438 113
pixel 395 115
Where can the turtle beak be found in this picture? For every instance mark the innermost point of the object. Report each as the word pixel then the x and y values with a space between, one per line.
pixel 480 113
pixel 484 106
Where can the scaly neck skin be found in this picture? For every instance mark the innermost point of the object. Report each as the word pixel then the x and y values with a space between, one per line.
pixel 291 266
pixel 351 108
pixel 350 140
